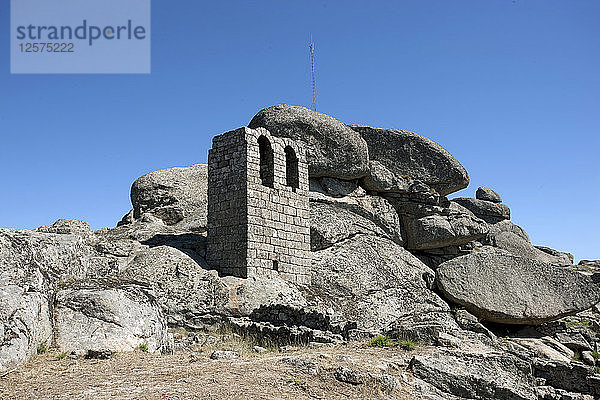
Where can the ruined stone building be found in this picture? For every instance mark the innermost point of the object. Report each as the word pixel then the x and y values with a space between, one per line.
pixel 258 208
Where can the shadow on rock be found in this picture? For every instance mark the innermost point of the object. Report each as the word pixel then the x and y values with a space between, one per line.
pixel 192 244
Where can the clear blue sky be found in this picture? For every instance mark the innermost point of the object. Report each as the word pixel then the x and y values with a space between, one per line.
pixel 510 88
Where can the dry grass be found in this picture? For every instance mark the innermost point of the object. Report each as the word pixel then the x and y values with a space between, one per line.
pixel 192 375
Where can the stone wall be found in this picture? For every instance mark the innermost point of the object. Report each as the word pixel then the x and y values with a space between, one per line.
pixel 258 210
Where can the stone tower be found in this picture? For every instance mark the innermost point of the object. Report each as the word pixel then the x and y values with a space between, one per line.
pixel 258 212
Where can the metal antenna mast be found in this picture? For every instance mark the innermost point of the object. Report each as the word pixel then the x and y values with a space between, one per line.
pixel 312 74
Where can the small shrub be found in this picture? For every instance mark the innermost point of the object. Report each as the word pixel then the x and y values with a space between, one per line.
pixel 143 347
pixel 595 354
pixel 381 341
pixel 577 356
pixel 407 344
pixel 578 324
pixel 385 341
pixel 42 348
pixel 62 355
pixel 597 369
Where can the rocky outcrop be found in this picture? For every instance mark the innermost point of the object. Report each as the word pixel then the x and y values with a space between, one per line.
pixel 518 246
pixel 380 224
pixel 487 194
pixel 331 224
pixel 500 287
pixel 175 195
pixel 257 297
pixel 476 376
pixel 381 179
pixel 486 210
pixel 66 227
pixel 430 327
pixel 507 226
pixel 116 316
pixel 334 150
pixel 53 257
pixel 339 211
pixel 189 295
pixel 32 264
pixel 593 265
pixel 450 228
pixel 372 281
pixel 573 377
pixel 567 258
pixel 431 222
pixel 406 154
pixel 25 323
pixel 546 348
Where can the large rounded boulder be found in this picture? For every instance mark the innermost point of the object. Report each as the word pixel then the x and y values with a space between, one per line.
pixel 501 287
pixel 186 292
pixel 488 211
pixel 175 195
pixel 372 281
pixel 109 314
pixel 406 154
pixel 334 150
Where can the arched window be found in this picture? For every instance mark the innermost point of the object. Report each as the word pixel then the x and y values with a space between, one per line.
pixel 291 168
pixel 267 169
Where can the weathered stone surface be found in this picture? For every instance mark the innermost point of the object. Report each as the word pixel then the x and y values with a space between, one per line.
pixel 66 227
pixel 574 341
pixel 469 322
pixel 109 315
pixel 551 393
pixel 303 364
pixel 249 297
pixel 224 355
pixel 567 258
pixel 588 358
pixel 333 187
pixel 357 213
pixel 52 258
pixel 186 292
pixel 372 281
pixel 507 226
pixel 486 210
pixel 485 193
pixel 192 296
pixel 334 150
pixel 25 324
pixel 592 264
pixel 423 327
pixel 32 264
pixel 435 231
pixel 387 383
pixel 127 219
pixel 381 179
pixel 476 376
pixel 364 281
pixel 544 349
pixel 518 246
pixel 148 230
pixel 500 287
pixel 407 154
pixel 330 224
pixel 571 376
pixel 175 195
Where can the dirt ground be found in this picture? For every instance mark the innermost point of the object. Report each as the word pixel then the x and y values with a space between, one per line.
pixel 191 374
